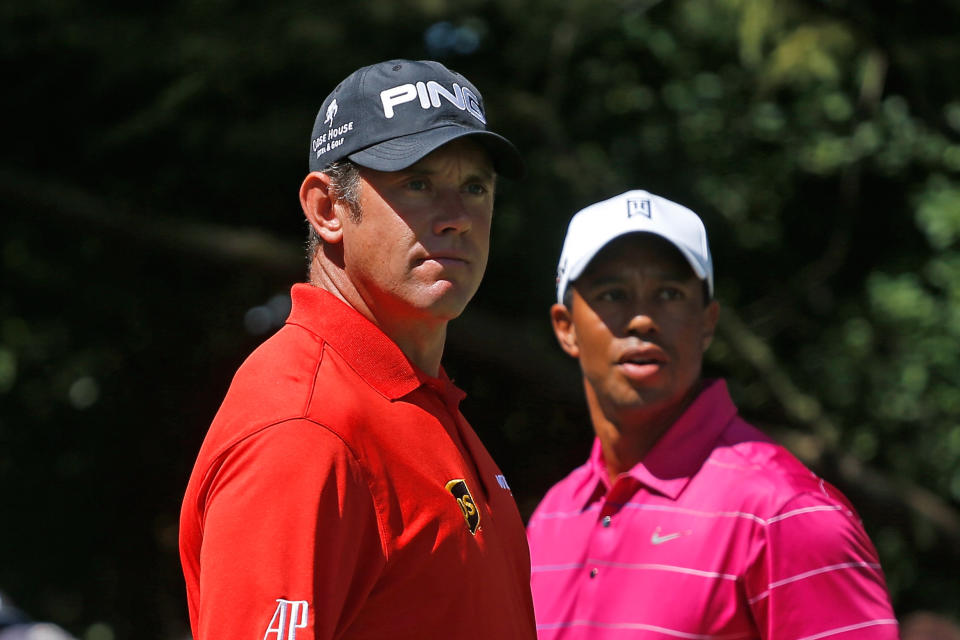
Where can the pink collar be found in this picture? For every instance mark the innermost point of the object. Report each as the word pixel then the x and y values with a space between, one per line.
pixel 677 456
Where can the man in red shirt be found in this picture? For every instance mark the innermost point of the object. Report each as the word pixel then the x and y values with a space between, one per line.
pixel 685 522
pixel 339 492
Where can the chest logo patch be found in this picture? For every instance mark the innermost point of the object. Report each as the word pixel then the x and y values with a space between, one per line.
pixel 658 538
pixel 468 506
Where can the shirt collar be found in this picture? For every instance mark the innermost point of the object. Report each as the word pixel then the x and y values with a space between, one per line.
pixel 595 481
pixel 370 352
pixel 679 453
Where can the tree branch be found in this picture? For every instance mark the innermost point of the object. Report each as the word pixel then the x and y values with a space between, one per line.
pixel 210 241
pixel 814 449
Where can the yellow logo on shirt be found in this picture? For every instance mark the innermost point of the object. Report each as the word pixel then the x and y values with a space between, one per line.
pixel 468 506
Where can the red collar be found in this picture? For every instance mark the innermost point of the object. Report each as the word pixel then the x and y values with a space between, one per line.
pixel 370 352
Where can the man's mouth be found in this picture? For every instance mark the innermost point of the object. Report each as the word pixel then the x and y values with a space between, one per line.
pixel 640 363
pixel 642 357
pixel 446 258
pixel 640 370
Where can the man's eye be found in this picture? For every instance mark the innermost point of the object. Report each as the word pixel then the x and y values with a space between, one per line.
pixel 417 185
pixel 670 293
pixel 476 189
pixel 612 295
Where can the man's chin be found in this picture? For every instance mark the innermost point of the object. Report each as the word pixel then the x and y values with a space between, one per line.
pixel 447 298
pixel 442 308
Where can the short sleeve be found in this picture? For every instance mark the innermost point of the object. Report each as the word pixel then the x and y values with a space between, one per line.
pixel 818 575
pixel 290 537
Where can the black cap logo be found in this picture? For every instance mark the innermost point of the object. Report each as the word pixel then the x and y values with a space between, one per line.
pixel 458 488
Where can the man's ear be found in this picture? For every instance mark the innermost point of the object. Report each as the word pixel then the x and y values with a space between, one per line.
pixel 710 316
pixel 318 202
pixel 563 328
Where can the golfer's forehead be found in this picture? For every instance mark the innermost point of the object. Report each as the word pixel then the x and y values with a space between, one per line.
pixel 639 253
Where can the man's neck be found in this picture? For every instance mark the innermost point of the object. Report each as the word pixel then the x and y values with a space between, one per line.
pixel 628 435
pixel 424 348
pixel 421 342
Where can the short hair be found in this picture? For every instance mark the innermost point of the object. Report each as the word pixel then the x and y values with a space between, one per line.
pixel 345 185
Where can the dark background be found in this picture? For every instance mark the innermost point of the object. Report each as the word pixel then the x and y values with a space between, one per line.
pixel 150 231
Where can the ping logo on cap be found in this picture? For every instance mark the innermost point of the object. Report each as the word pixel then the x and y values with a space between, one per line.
pixel 639 207
pixel 429 94
pixel 458 488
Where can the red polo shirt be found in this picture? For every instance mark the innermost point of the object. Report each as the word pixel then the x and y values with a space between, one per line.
pixel 719 533
pixel 339 493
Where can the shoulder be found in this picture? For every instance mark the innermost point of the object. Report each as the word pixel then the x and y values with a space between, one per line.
pixel 286 363
pixel 824 524
pixel 293 376
pixel 760 473
pixel 797 508
pixel 273 384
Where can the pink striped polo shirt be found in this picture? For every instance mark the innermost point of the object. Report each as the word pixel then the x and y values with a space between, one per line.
pixel 718 533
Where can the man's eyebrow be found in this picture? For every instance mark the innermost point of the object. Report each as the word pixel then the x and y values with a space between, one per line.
pixel 678 274
pixel 482 173
pixel 601 279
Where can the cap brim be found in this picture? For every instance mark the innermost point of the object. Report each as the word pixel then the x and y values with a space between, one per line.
pixel 400 153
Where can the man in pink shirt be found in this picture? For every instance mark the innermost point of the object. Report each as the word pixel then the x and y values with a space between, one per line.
pixel 685 522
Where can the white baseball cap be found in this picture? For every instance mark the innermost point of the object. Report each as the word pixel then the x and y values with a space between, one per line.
pixel 592 228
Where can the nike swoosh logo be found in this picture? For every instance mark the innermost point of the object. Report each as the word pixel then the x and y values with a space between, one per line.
pixel 656 538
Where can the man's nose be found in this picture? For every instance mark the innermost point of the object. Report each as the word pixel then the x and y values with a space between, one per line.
pixel 641 323
pixel 453 216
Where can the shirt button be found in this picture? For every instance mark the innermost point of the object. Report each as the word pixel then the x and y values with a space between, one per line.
pixel 606 521
pixel 593 573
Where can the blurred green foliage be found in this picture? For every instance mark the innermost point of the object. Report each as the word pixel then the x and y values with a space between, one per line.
pixel 149 181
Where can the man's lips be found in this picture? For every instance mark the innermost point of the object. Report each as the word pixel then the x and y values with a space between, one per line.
pixel 446 258
pixel 641 362
pixel 642 356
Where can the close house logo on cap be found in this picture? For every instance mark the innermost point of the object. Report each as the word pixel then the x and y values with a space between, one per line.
pixel 333 137
pixel 331 113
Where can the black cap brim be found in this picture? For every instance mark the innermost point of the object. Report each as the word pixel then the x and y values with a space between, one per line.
pixel 400 153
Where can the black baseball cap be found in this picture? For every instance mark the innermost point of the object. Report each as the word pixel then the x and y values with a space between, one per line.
pixel 389 115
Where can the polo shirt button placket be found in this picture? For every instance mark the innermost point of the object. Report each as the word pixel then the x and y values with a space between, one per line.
pixel 605 522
